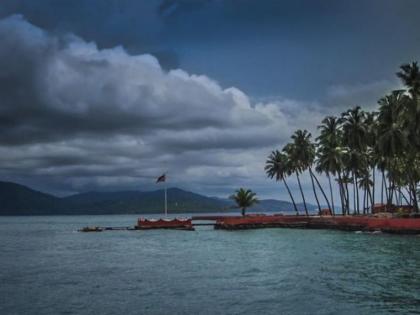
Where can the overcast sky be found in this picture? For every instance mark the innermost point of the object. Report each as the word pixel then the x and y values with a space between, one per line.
pixel 103 95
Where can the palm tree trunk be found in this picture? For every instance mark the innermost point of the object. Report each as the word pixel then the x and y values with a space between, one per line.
pixel 291 196
pixel 385 185
pixel 243 211
pixel 343 210
pixel 403 197
pixel 371 200
pixel 382 190
pixel 391 192
pixel 407 189
pixel 340 186
pixel 414 193
pixel 354 193
pixel 364 201
pixel 416 205
pixel 315 194
pixel 357 198
pixel 372 197
pixel 322 190
pixel 301 192
pixel 398 196
pixel 331 193
pixel 347 194
pixel 347 197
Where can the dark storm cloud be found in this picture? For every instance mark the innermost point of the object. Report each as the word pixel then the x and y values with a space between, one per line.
pixel 91 115
pixel 134 24
pixel 295 49
pixel 50 81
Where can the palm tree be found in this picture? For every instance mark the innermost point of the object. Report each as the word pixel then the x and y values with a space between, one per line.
pixel 410 75
pixel 244 199
pixel 354 128
pixel 277 166
pixel 392 138
pixel 355 131
pixel 371 122
pixel 304 153
pixel 329 154
pixel 294 166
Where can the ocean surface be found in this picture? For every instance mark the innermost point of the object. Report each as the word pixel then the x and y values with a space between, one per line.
pixel 47 267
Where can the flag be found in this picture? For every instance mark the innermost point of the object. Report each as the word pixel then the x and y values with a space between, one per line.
pixel 161 179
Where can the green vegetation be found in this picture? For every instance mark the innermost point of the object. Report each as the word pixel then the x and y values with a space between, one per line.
pixel 244 199
pixel 353 147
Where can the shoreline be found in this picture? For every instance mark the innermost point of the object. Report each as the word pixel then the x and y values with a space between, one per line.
pixel 344 223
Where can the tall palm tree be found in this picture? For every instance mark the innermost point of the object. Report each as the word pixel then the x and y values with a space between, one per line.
pixel 278 167
pixel 295 167
pixel 410 75
pixel 354 128
pixel 371 122
pixel 244 199
pixel 355 131
pixel 305 155
pixel 392 139
pixel 329 153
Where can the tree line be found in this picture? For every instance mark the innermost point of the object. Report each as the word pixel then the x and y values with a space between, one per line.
pixel 357 146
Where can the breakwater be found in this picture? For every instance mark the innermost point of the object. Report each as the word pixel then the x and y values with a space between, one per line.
pixel 346 223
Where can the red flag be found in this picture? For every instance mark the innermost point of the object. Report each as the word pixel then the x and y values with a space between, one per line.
pixel 161 178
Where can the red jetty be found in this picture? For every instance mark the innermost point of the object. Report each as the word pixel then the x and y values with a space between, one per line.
pixel 177 224
pixel 348 223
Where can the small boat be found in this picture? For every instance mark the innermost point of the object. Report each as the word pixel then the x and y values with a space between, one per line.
pixel 175 224
pixel 91 229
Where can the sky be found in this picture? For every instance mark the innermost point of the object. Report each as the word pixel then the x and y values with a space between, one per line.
pixel 109 94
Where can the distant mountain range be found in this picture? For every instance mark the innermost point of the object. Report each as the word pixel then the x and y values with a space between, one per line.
pixel 17 199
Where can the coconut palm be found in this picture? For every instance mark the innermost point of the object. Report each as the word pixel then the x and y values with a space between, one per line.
pixel 329 153
pixel 354 128
pixel 392 139
pixel 305 156
pixel 295 167
pixel 371 122
pixel 410 75
pixel 355 132
pixel 244 199
pixel 278 167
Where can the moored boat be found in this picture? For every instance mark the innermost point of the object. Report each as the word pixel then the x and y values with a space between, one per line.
pixel 91 229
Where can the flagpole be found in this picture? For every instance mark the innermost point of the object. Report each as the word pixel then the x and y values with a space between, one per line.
pixel 166 202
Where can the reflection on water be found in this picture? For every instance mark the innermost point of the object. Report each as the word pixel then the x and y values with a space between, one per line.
pixel 48 268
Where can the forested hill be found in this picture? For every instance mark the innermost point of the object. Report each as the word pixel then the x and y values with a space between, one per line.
pixel 17 199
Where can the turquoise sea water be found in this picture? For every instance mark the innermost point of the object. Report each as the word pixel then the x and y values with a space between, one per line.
pixel 49 268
